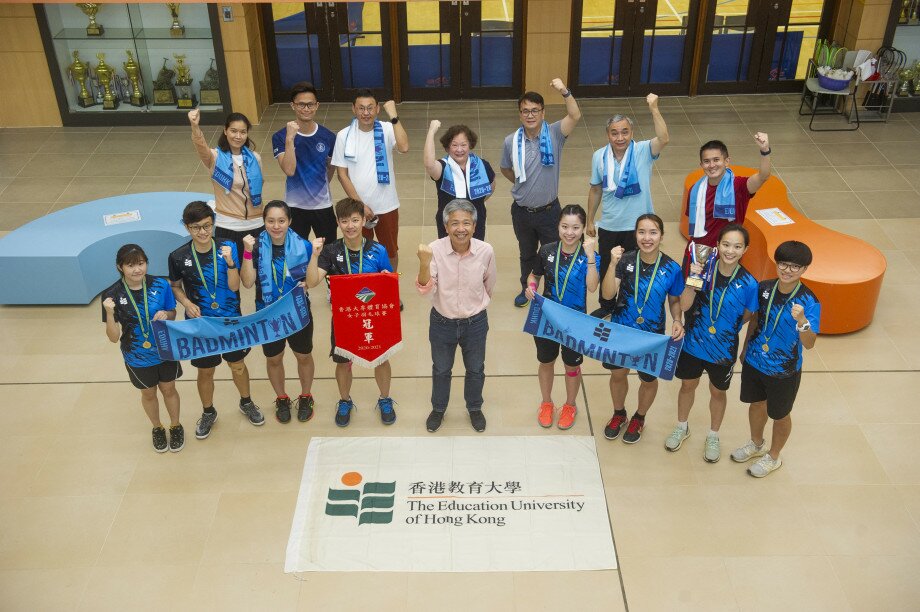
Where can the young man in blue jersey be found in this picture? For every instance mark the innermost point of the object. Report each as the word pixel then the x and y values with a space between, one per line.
pixel 788 320
pixel 352 254
pixel 303 149
pixel 205 278
pixel 714 315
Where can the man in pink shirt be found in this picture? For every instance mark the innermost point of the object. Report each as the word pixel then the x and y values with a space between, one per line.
pixel 458 272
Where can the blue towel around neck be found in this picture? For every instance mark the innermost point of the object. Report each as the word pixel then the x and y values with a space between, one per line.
pixel 724 206
pixel 478 178
pixel 296 256
pixel 628 184
pixel 380 149
pixel 223 173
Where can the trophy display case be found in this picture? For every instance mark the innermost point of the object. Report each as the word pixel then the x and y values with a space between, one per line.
pixel 131 64
pixel 903 33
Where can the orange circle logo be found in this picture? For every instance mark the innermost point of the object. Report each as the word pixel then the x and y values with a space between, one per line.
pixel 350 479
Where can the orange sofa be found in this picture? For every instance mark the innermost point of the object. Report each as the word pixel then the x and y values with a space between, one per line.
pixel 846 273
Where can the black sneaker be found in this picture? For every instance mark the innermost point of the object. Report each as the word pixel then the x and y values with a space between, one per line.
pixel 387 414
pixel 478 420
pixel 434 421
pixel 176 438
pixel 634 431
pixel 205 423
pixel 304 408
pixel 283 409
pixel 159 440
pixel 252 412
pixel 612 431
pixel 343 412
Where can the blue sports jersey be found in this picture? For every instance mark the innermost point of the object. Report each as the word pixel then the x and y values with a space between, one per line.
pixel 721 347
pixel 668 281
pixel 332 259
pixel 159 297
pixel 278 263
pixel 182 268
pixel 785 355
pixel 576 291
pixel 308 188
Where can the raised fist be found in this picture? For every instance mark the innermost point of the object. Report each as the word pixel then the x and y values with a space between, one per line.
pixel 318 246
pixel 248 243
pixel 390 107
pixel 434 126
pixel 109 304
pixel 292 127
pixel 798 313
pixel 424 253
pixel 558 85
pixel 762 141
pixel 652 100
pixel 616 253
pixel 194 116
pixel 227 253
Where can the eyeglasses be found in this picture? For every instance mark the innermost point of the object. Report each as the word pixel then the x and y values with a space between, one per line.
pixel 366 109
pixel 303 105
pixel 197 229
pixel 785 266
pixel 531 112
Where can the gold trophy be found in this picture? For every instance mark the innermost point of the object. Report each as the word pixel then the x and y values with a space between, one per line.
pixel 79 71
pixel 90 9
pixel 904 17
pixel 209 86
pixel 164 92
pixel 176 30
pixel 134 76
pixel 699 254
pixel 186 99
pixel 105 74
pixel 904 77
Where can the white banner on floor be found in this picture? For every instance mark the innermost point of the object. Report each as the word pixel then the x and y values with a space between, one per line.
pixel 451 504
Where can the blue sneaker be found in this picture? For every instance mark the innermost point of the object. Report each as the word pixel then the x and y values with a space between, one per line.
pixel 520 300
pixel 387 414
pixel 343 412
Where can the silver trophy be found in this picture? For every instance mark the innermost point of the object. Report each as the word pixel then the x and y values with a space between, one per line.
pixel 699 254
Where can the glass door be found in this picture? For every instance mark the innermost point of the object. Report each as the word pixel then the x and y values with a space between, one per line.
pixel 429 37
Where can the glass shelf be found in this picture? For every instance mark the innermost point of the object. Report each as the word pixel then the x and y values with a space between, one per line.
pixel 164 34
pixel 107 34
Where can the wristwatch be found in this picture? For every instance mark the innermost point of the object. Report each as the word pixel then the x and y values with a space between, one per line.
pixel 803 327
pixel 566 93
pixel 394 120
pixel 767 152
pixel 231 266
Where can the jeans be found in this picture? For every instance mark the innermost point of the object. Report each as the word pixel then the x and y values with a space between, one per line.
pixel 445 335
pixel 533 230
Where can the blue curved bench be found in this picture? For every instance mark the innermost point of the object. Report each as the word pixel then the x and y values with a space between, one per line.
pixel 68 257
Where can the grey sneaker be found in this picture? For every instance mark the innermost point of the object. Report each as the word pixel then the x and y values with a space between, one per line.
pixel 748 452
pixel 252 412
pixel 763 466
pixel 712 451
pixel 677 437
pixel 205 423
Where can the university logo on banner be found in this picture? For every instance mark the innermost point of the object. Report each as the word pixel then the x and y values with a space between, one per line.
pixel 365 316
pixel 372 503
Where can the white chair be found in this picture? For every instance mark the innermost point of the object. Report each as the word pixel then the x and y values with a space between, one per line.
pixel 813 93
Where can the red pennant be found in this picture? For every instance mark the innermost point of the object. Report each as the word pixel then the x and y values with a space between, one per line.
pixel 365 316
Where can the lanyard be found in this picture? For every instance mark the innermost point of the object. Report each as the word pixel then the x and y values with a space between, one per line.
pixel 144 333
pixel 201 274
pixel 567 272
pixel 360 257
pixel 275 273
pixel 769 306
pixel 712 292
pixel 648 288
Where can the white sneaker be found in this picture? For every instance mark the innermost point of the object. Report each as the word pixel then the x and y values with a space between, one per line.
pixel 677 437
pixel 763 466
pixel 748 452
pixel 712 451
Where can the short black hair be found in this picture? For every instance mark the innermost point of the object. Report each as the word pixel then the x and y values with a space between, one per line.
pixel 302 87
pixel 736 227
pixel 794 252
pixel 363 93
pixel 129 254
pixel 277 204
pixel 223 144
pixel 653 218
pixel 531 96
pixel 714 144
pixel 197 211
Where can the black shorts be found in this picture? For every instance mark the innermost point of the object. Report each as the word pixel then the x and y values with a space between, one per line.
pixel 300 342
pixel 236 237
pixel 335 358
pixel 642 375
pixel 151 376
pixel 321 221
pixel 548 350
pixel 212 361
pixel 691 367
pixel 779 393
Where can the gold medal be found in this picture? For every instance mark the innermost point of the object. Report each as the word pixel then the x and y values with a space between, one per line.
pixel 640 320
pixel 712 329
pixel 765 347
pixel 215 305
pixel 146 344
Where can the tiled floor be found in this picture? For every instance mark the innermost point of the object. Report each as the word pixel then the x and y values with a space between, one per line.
pixel 94 520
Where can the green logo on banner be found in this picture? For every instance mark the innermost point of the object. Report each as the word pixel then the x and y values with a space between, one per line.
pixel 372 503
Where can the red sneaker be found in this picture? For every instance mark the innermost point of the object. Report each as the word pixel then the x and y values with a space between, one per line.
pixel 567 416
pixel 545 416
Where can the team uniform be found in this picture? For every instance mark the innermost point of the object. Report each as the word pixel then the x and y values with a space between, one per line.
pixel 711 338
pixel 182 267
pixel 307 191
pixel 569 288
pixel 335 259
pixel 772 374
pixel 301 341
pixel 145 368
pixel 668 281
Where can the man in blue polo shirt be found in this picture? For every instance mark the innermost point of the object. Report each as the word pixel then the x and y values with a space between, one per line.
pixel 303 149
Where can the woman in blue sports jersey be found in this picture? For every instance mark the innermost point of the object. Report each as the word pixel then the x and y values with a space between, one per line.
pixel 276 264
pixel 714 316
pixel 642 281
pixel 128 308
pixel 571 269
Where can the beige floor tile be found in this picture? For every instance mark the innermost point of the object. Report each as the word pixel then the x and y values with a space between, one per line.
pixel 106 163
pixel 43 589
pixel 151 587
pixel 250 528
pixel 383 591
pixel 880 397
pixel 35 190
pixel 848 352
pixel 812 179
pixel 879 582
pixel 790 582
pixel 599 590
pixel 53 164
pixel 890 204
pixel 636 511
pixel 894 446
pixel 244 586
pixel 813 455
pixel 22 144
pixel 461 591
pixel 693 583
pixel 911 496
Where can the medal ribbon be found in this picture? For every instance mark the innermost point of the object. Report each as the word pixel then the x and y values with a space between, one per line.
pixel 201 274
pixel 284 273
pixel 146 334
pixel 360 257
pixel 724 291
pixel 770 305
pixel 648 288
pixel 567 272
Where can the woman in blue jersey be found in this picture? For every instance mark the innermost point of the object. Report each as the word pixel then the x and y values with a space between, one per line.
pixel 714 316
pixel 276 263
pixel 642 281
pixel 571 269
pixel 128 309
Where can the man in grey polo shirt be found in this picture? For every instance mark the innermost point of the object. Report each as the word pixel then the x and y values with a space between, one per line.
pixel 531 160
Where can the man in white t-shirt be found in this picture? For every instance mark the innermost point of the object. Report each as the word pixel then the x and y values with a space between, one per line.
pixel 363 159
